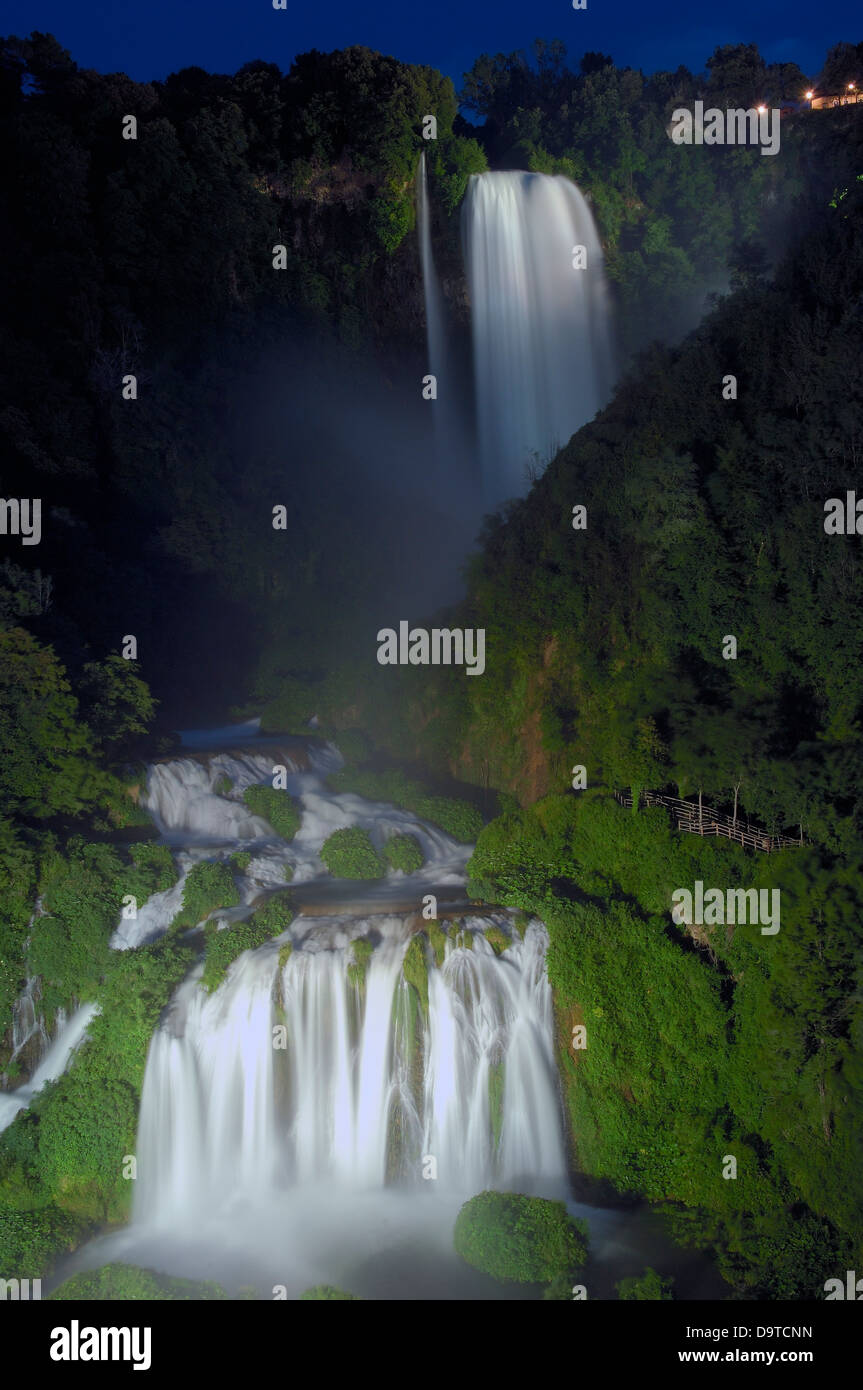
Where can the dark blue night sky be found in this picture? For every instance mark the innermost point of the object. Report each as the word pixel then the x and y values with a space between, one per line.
pixel 150 40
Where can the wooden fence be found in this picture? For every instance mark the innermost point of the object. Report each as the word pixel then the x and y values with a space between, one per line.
pixel 704 820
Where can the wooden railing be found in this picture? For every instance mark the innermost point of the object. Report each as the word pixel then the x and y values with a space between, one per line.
pixel 704 820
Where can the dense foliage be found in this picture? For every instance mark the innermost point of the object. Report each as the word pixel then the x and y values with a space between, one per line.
pixel 457 818
pixel 121 1282
pixel 350 853
pixel 701 1042
pixel 516 1239
pixel 404 852
pixel 277 807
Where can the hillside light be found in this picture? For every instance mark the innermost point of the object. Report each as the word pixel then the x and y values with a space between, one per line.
pixel 762 108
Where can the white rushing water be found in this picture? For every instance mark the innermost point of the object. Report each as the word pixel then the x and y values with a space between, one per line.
pixel 542 354
pixel 311 1115
pixel 226 1115
pixel 56 1059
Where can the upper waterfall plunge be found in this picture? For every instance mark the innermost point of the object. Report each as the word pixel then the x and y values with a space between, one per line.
pixel 542 348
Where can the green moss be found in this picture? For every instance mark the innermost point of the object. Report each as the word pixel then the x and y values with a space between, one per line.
pixel 437 940
pixel 276 806
pixel 223 785
pixel 496 1081
pixel 285 953
pixel 497 939
pixel 415 970
pixel 241 859
pixel 350 853
pixel 404 852
pixel 520 923
pixel 288 872
pixel 362 953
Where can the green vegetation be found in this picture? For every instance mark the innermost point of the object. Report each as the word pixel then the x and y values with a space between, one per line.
pixel 497 939
pixel 350 853
pixel 415 971
pixel 516 1239
pixel 62 1161
pixel 120 1281
pixel 208 887
pixel 457 818
pixel 361 951
pixel 648 1286
pixel 730 1046
pixel 223 785
pixel 241 859
pixel 354 745
pixel 327 1292
pixel 222 947
pixel 404 852
pixel 437 940
pixel 278 807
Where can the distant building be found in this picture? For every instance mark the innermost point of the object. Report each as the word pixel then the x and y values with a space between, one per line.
pixel 819 103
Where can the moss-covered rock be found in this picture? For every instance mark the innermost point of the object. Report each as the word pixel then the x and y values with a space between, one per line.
pixel 208 888
pixel 241 859
pixel 350 853
pixel 437 941
pixel 362 953
pixel 497 939
pixel 518 1239
pixel 415 970
pixel 404 852
pixel 278 807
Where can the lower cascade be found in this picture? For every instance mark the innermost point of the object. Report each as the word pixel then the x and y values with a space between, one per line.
pixel 315 1068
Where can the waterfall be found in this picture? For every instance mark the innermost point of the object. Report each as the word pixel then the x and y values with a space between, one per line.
pixel 333 1103
pixel 542 355
pixel 53 1064
pixel 368 1083
pixel 431 289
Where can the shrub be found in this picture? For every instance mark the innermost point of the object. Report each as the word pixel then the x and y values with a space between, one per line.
pixel 208 887
pixel 322 1292
pixel 647 1286
pixel 351 854
pixel 128 1282
pixel 277 807
pixel 404 852
pixel 223 947
pixel 517 1239
pixel 241 859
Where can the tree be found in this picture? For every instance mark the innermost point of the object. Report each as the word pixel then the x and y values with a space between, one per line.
pixel 737 74
pixel 116 702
